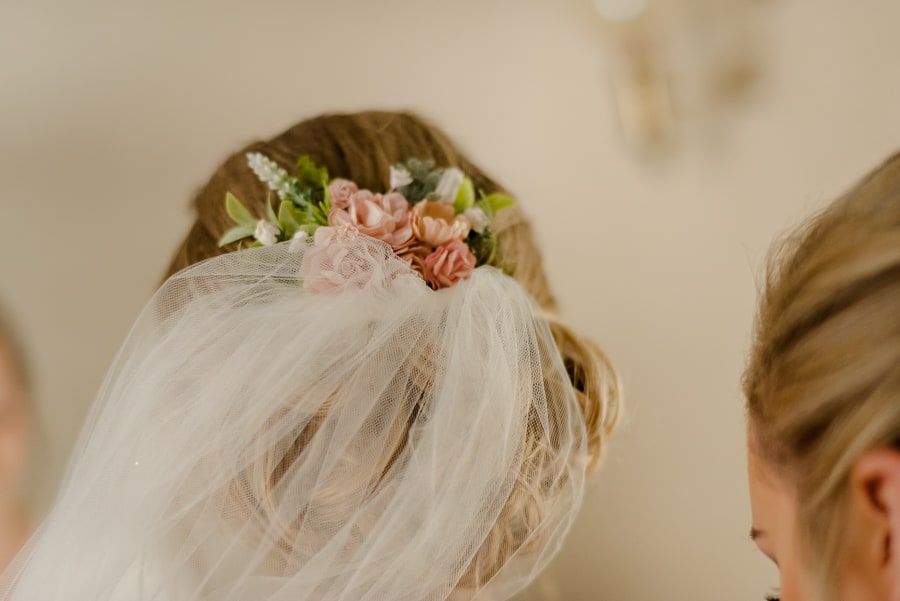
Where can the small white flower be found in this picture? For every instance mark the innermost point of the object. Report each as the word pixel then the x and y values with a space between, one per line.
pixel 400 177
pixel 298 241
pixel 266 233
pixel 448 187
pixel 478 219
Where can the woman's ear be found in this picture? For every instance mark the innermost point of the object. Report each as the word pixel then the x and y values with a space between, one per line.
pixel 875 520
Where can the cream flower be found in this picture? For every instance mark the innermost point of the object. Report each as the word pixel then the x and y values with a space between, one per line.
pixel 382 216
pixel 266 233
pixel 400 177
pixel 298 241
pixel 477 218
pixel 449 264
pixel 448 186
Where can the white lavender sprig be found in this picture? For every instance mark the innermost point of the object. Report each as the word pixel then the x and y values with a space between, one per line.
pixel 278 180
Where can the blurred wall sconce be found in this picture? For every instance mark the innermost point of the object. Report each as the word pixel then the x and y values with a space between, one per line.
pixel 678 65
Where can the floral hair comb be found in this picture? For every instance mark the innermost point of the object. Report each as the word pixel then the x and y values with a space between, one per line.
pixel 431 217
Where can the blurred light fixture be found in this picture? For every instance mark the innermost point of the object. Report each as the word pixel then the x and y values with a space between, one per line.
pixel 677 65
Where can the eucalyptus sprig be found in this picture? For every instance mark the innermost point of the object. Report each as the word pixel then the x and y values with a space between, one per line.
pixel 425 179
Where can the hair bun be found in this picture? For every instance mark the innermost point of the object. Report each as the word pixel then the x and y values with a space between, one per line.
pixel 591 373
pixel 596 384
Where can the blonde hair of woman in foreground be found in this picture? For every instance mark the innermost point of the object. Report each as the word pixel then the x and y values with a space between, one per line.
pixel 351 387
pixel 823 400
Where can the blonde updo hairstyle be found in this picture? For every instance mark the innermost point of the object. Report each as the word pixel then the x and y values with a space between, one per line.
pixel 361 147
pixel 823 380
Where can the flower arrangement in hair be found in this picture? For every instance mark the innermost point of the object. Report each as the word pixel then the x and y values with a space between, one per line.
pixel 431 217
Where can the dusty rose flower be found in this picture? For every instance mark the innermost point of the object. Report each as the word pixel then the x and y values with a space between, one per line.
pixel 436 223
pixel 340 191
pixel 449 264
pixel 383 216
pixel 340 258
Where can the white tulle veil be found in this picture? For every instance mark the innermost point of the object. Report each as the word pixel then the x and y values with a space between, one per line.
pixel 257 441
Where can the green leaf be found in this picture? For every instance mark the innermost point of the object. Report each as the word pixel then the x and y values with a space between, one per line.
pixel 325 210
pixel 484 247
pixel 311 175
pixel 312 185
pixel 270 212
pixel 465 198
pixel 287 219
pixel 315 214
pixel 292 192
pixel 238 211
pixel 236 233
pixel 498 201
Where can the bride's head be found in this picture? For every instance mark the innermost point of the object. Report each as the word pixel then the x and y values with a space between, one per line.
pixel 362 147
pixel 823 397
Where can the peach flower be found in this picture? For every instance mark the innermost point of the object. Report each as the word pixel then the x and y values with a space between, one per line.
pixel 339 258
pixel 382 216
pixel 340 191
pixel 436 223
pixel 414 253
pixel 449 264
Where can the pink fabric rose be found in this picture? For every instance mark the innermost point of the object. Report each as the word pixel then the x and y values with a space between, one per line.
pixel 436 223
pixel 340 258
pixel 340 191
pixel 383 216
pixel 449 264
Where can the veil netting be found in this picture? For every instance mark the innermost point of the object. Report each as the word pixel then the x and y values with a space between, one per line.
pixel 261 438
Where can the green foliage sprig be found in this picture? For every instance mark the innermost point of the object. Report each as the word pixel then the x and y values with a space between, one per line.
pixel 304 203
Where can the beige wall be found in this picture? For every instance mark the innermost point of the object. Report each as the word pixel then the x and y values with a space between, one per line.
pixel 111 115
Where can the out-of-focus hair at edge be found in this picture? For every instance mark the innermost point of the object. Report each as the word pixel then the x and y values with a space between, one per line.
pixel 19 485
pixel 361 147
pixel 11 342
pixel 822 383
